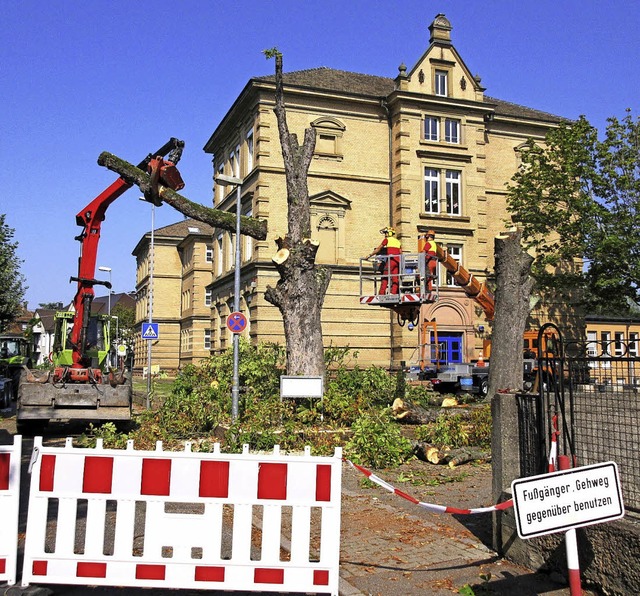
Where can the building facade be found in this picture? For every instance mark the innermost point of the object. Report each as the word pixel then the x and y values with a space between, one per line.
pixel 173 278
pixel 425 150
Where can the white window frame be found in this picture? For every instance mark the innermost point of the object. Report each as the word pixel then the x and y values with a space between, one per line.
pixel 248 240
pixel 441 83
pixel 633 345
pixel 208 253
pixel 453 189
pixel 208 297
pixel 206 344
pixel 431 128
pixel 592 344
pixel 220 257
pixel 219 187
pixel 618 344
pixel 455 252
pixel 431 190
pixel 452 131
pixel 250 150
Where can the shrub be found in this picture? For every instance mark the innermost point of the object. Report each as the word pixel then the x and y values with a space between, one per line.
pixel 377 441
pixel 448 430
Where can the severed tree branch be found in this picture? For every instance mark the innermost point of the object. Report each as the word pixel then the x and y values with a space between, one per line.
pixel 250 226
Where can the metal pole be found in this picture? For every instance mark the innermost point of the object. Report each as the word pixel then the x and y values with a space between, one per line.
pixel 150 305
pixel 236 308
pixel 109 323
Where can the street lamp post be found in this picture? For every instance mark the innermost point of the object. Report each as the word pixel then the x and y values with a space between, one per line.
pixel 224 181
pixel 108 270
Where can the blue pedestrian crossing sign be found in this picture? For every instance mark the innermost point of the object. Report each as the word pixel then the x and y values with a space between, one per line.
pixel 150 331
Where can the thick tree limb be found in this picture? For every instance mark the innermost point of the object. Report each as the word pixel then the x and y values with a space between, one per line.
pixel 249 226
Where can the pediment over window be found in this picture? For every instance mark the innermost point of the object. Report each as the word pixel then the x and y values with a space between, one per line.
pixel 329 199
pixel 329 124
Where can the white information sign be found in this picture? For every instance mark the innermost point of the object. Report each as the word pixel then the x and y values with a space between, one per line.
pixel 297 386
pixel 567 499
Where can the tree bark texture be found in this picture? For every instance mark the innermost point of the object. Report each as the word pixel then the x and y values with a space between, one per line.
pixel 514 285
pixel 300 291
pixel 224 220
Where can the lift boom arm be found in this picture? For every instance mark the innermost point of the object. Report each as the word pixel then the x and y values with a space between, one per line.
pixel 90 219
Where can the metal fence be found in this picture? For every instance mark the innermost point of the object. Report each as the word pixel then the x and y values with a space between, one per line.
pixel 590 391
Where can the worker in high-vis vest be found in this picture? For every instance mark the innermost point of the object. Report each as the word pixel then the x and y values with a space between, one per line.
pixel 391 247
pixel 431 258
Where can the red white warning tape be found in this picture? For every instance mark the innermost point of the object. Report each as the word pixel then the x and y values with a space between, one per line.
pixel 429 506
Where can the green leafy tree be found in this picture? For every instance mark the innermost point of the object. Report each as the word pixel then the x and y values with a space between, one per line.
pixel 126 322
pixel 12 286
pixel 577 198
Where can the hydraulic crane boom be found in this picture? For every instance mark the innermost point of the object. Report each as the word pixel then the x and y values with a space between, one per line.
pixel 91 218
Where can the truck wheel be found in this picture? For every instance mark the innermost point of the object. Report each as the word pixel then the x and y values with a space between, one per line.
pixel 30 428
pixel 484 387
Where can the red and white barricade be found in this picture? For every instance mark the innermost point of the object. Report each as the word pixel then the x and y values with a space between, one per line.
pixel 9 508
pixel 184 520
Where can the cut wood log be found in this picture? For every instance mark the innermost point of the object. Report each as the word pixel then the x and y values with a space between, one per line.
pixel 430 453
pixel 452 457
pixel 410 413
pixel 463 455
pixel 249 226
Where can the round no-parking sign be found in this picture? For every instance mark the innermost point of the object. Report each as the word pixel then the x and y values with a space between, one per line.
pixel 236 322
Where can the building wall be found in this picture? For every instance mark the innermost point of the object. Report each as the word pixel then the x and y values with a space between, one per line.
pixel 373 175
pixel 368 172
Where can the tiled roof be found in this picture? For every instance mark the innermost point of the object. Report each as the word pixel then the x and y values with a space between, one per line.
pixel 184 228
pixel 371 85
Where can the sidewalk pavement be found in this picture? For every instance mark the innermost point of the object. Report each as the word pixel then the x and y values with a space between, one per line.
pixel 390 546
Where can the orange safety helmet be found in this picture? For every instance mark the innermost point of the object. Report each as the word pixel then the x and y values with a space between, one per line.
pixel 430 233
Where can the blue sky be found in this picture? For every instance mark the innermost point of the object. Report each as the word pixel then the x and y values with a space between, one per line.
pixel 80 77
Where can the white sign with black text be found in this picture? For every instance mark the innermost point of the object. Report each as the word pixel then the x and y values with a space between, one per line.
pixel 567 499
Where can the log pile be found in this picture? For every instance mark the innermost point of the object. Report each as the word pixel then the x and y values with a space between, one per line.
pixel 410 413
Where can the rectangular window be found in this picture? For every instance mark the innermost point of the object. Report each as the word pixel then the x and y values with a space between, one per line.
pixel 455 251
pixel 233 164
pixel 248 240
pixel 452 131
pixel 208 255
pixel 431 190
pixel 452 179
pixel 592 345
pixel 207 339
pixel 431 126
pixel 441 86
pixel 220 257
pixel 208 297
pixel 219 194
pixel 249 151
pixel 238 168
pixel 619 345
pixel 633 345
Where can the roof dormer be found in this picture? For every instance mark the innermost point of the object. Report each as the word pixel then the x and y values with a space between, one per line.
pixel 441 72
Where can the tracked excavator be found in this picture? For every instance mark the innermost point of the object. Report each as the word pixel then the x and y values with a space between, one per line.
pixel 80 384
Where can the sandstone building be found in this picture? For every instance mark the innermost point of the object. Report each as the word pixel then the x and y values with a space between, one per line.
pixel 424 150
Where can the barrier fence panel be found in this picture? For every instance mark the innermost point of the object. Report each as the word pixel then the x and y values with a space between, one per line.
pixel 211 521
pixel 9 506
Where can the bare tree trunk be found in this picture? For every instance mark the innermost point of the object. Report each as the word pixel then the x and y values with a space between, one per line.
pixel 300 291
pixel 513 291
